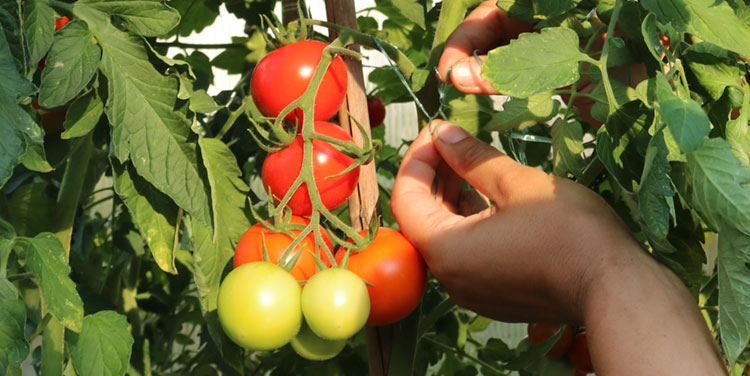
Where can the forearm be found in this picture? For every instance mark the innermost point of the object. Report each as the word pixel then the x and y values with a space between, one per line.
pixel 641 320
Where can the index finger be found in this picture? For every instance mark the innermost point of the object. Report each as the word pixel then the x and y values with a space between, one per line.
pixel 413 204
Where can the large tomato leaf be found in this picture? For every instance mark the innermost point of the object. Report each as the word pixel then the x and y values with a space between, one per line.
pixel 147 128
pixel 150 18
pixel 714 67
pixel 71 63
pixel 567 145
pixel 194 15
pixel 655 191
pixel 738 135
pixel 46 260
pixel 10 23
pixel 153 212
pixel 686 120
pixel 519 113
pixel 38 27
pixel 710 20
pixel 83 115
pixel 734 292
pixel 13 345
pixel 535 62
pixel 104 345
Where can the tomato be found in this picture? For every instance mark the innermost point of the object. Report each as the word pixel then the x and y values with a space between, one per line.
pixel 396 272
pixel 250 248
pixel 335 303
pixel 579 354
pixel 540 332
pixel 309 346
pixel 59 23
pixel 52 121
pixel 376 110
pixel 259 306
pixel 281 168
pixel 284 74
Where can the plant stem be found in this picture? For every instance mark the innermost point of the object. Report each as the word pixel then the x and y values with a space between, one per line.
pixel 233 116
pixel 18 277
pixel 198 46
pixel 602 63
pixel 466 355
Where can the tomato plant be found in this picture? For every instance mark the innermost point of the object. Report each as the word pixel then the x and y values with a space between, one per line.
pixel 540 332
pixel 59 23
pixel 259 306
pixel 335 303
pixel 579 354
pixel 376 110
pixel 284 74
pixel 250 248
pixel 310 346
pixel 396 274
pixel 280 169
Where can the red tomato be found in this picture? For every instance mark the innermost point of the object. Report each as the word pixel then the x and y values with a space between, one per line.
pixel 579 354
pixel 540 332
pixel 250 248
pixel 281 168
pixel 284 74
pixel 397 274
pixel 376 110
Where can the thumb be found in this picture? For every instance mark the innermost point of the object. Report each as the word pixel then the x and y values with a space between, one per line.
pixel 481 165
pixel 466 76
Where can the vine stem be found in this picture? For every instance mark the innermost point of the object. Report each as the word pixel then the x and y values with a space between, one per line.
pixel 466 355
pixel 602 63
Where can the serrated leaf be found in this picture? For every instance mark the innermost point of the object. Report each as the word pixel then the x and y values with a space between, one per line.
pixel 150 18
pixel 39 28
pixel 734 292
pixel 655 191
pixel 203 103
pixel 711 20
pixel 621 143
pixel 545 9
pixel 147 128
pixel 686 120
pixel 721 186
pixel 738 135
pixel 83 115
pixel 13 345
pixel 522 10
pixel 567 145
pixel 153 212
pixel 104 345
pixel 535 62
pixel 401 10
pixel 71 63
pixel 520 113
pixel 195 15
pixel 46 259
pixel 714 67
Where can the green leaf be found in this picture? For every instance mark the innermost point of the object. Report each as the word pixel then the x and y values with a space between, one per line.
pixel 38 27
pixel 621 143
pixel 13 84
pixel 721 186
pixel 30 210
pixel 13 142
pixel 714 67
pixel 153 212
pixel 234 60
pixel 567 143
pixel 467 110
pixel 686 120
pixel 711 20
pixel 104 345
pixel 46 259
pixel 535 62
pixel 650 34
pixel 738 135
pixel 195 15
pixel 71 63
pixel 520 113
pixel 147 128
pixel 623 94
pixel 10 25
pixel 655 192
pixel 545 9
pixel 83 115
pixel 13 345
pixel 203 103
pixel 7 289
pixel 401 10
pixel 150 18
pixel 522 10
pixel 734 292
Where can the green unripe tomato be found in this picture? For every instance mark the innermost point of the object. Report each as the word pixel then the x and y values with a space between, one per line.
pixel 259 306
pixel 310 346
pixel 335 303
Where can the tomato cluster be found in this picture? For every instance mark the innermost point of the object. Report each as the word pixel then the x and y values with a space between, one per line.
pixel 574 345
pixel 278 294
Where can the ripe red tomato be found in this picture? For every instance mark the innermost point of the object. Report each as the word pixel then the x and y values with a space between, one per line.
pixel 250 248
pixel 397 274
pixel 579 354
pixel 540 332
pixel 284 74
pixel 376 110
pixel 281 168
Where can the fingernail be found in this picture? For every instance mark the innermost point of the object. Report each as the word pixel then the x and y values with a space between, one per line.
pixel 450 134
pixel 464 77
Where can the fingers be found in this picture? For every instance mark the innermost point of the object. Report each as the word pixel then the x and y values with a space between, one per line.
pixel 466 76
pixel 413 203
pixel 484 167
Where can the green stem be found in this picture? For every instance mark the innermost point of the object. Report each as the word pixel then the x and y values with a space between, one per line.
pixel 18 277
pixel 602 63
pixel 198 46
pixel 53 338
pixel 466 355
pixel 233 116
